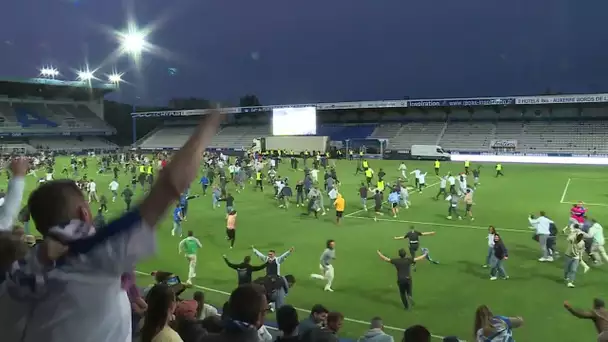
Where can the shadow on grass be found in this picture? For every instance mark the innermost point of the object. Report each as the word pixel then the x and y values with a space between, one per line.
pixel 475 270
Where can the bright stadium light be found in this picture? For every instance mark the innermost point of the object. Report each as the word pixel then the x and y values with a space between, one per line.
pixel 115 78
pixel 133 41
pixel 85 75
pixel 49 72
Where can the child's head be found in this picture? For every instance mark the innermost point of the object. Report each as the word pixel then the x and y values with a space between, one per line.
pixel 233 212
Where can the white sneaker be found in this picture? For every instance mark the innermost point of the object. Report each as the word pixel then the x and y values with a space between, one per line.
pixel 549 259
pixel 493 278
pixel 586 269
pixel 173 233
pixel 329 289
pixel 543 259
pixel 189 282
pixel 570 285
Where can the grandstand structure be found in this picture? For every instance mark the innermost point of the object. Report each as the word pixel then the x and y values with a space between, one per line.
pixel 52 115
pixel 564 124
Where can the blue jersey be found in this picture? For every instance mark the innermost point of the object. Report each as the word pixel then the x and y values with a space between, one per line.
pixel 183 200
pixel 204 180
pixel 177 214
pixel 393 197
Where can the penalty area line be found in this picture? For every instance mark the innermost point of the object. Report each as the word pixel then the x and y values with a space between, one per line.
pixel 352 320
pixel 565 191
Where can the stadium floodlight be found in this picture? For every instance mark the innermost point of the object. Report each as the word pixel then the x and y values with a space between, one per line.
pixel 133 41
pixel 115 78
pixel 49 72
pixel 85 75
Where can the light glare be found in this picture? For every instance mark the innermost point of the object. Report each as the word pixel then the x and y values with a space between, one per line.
pixel 85 75
pixel 115 78
pixel 49 72
pixel 133 42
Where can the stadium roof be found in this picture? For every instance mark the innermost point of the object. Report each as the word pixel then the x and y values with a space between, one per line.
pixel 50 88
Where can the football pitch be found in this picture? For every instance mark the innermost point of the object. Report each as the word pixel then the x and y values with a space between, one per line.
pixel 446 294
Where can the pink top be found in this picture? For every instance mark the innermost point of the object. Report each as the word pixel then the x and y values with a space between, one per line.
pixel 231 222
pixel 578 214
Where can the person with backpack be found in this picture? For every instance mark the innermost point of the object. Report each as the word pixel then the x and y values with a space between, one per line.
pixel 277 288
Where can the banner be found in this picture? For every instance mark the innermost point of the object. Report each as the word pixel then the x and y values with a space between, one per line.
pixel 503 144
pixel 462 102
pixel 584 98
pixel 339 105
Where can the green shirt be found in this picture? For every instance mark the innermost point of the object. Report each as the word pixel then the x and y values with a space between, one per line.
pixel 190 245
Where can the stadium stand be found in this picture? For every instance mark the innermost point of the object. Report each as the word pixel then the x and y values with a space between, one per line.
pixel 53 115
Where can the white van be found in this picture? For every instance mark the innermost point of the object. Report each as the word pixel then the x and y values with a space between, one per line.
pixel 429 152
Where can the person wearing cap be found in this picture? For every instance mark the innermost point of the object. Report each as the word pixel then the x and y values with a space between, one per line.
pixel 598 314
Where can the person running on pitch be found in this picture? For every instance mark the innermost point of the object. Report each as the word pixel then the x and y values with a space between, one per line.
pixel 403 264
pixel 189 247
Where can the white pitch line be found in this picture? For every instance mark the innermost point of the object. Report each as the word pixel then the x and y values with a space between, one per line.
pixel 303 310
pixel 565 191
pixel 589 204
pixel 445 224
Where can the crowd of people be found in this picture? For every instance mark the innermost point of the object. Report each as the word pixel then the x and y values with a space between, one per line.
pixel 77 282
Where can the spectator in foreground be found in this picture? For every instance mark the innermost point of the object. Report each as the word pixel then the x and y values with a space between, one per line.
pixel 245 315
pixel 186 324
pixel 212 324
pixel 376 332
pixel 12 200
pixel 328 333
pixel 161 306
pixel 316 319
pixel 107 254
pixel 417 333
pixel 599 316
pixel 203 309
pixel 494 328
pixel 287 320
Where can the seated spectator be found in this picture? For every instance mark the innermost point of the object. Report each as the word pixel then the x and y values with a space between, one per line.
pixel 287 319
pixel 328 333
pixel 490 328
pixel 416 333
pixel 245 314
pixel 203 310
pixel 212 324
pixel 161 306
pixel 376 332
pixel 186 324
pixel 317 318
pixel 138 304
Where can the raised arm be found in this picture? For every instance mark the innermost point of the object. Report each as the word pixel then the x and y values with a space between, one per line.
pixel 383 257
pixel 259 255
pixel 284 256
pixel 122 243
pixel 578 313
pixel 400 237
pixel 231 265
pixel 258 268
pixel 14 194
pixel 421 257
pixel 427 233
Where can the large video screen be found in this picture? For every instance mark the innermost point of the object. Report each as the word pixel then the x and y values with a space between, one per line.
pixel 294 121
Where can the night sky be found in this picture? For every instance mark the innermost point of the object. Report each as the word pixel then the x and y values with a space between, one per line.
pixel 288 51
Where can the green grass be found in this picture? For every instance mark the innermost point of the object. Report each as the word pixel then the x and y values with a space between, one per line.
pixel 446 294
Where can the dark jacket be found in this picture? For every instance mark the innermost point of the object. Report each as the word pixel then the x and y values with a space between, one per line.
pixel 500 250
pixel 320 335
pixel 306 325
pixel 233 335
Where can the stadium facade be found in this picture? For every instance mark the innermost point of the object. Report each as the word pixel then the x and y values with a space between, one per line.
pixel 47 114
pixel 552 125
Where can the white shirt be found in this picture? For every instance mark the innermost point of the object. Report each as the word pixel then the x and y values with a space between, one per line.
pixel 314 173
pixel 273 162
pixel 541 224
pixel 49 176
pixel 114 185
pixel 416 173
pixel 490 240
pixel 443 183
pixel 404 193
pixel 231 168
pixel 422 178
pixel 597 232
pixel 452 180
pixel 402 167
pixel 91 277
pixel 333 194
pixel 92 186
